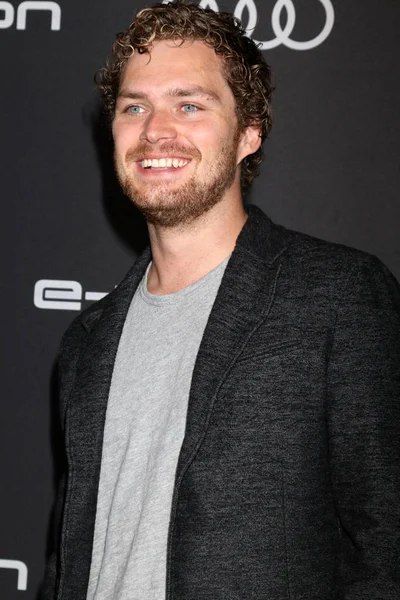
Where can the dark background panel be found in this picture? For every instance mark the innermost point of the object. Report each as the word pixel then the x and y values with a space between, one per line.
pixel 331 169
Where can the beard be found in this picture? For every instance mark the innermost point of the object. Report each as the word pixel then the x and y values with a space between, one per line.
pixel 168 207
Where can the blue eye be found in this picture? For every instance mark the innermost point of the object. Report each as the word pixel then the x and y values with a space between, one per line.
pixel 189 108
pixel 134 110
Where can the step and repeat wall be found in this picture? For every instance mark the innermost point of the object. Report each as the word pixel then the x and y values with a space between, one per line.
pixel 68 235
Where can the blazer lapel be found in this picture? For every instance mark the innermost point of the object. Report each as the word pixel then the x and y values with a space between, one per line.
pixel 86 418
pixel 90 395
pixel 242 303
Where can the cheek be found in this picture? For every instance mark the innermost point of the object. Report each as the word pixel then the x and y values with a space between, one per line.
pixel 208 140
pixel 125 137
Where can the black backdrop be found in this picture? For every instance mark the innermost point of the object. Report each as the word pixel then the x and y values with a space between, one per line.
pixel 68 235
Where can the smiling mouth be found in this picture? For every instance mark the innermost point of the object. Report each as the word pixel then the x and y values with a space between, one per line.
pixel 163 163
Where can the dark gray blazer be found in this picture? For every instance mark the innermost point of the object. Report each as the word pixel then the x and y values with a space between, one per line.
pixel 287 485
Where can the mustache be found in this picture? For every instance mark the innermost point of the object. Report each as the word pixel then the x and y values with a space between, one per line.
pixel 140 152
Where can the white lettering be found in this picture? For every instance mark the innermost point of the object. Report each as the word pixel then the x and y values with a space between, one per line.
pixel 53 7
pixel 54 294
pixel 61 294
pixel 22 581
pixel 8 18
pixel 9 13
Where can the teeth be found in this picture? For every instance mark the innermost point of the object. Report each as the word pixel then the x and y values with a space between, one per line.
pixel 162 163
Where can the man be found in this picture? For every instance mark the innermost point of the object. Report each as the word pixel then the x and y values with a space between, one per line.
pixel 231 409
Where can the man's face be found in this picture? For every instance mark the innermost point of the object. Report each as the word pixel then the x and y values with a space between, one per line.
pixel 177 145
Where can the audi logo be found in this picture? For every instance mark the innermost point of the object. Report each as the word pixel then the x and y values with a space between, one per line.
pixel 282 35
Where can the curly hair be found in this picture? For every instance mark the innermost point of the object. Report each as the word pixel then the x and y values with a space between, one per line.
pixel 245 69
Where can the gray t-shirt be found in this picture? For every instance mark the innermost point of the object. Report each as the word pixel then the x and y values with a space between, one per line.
pixel 144 430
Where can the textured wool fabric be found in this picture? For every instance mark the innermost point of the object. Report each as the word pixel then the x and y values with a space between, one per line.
pixel 287 484
pixel 144 429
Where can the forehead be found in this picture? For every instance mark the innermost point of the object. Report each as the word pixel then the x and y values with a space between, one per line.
pixel 169 63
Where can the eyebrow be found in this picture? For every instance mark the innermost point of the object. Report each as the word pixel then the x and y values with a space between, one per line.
pixel 175 92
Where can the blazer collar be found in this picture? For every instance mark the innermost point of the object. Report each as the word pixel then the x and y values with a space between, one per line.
pixel 260 237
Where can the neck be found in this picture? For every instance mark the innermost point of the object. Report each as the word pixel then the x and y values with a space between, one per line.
pixel 183 255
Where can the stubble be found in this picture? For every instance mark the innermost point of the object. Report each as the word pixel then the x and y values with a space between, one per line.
pixel 164 206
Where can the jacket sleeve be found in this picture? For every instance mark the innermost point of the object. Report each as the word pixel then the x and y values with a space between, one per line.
pixel 364 433
pixel 71 345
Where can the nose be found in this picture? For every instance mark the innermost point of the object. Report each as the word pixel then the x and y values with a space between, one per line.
pixel 159 125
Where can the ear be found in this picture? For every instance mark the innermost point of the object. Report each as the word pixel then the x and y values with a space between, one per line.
pixel 249 142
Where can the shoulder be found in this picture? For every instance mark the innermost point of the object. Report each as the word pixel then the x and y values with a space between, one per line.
pixel 330 264
pixel 314 269
pixel 303 255
pixel 317 251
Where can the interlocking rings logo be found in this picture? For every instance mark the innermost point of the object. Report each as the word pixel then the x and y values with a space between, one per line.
pixel 282 34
